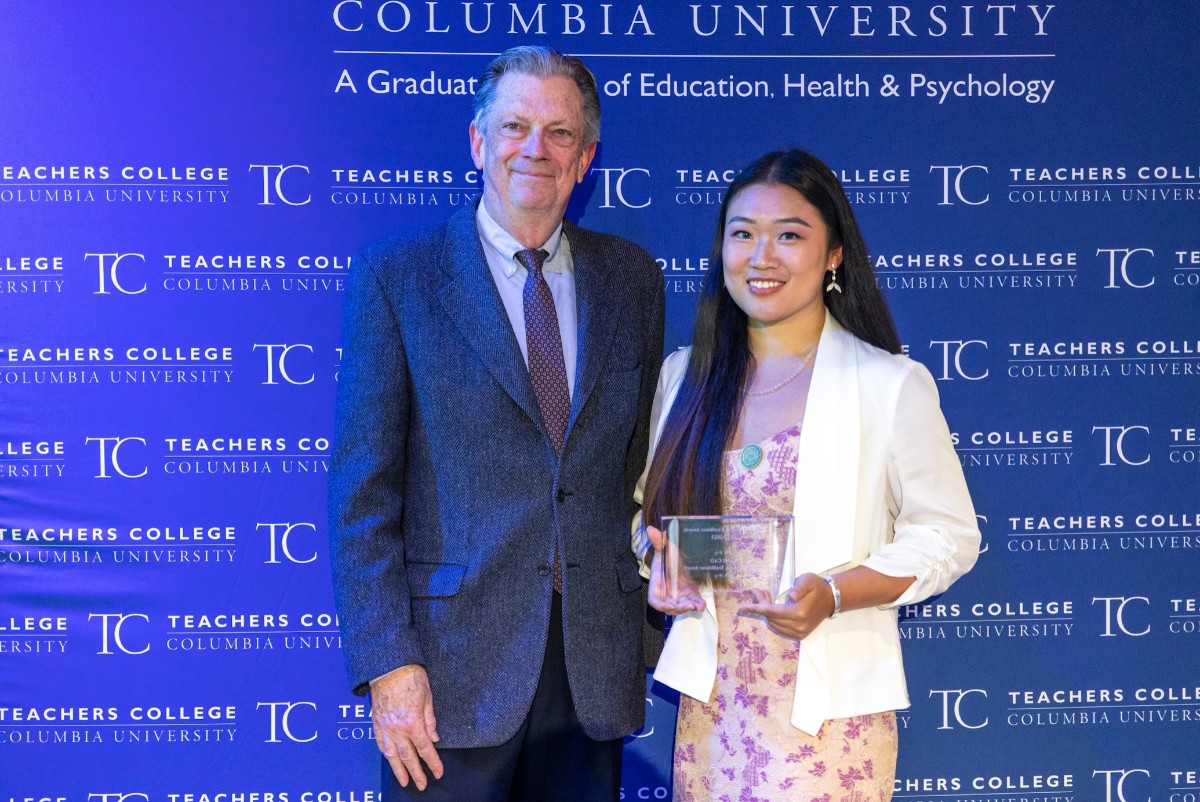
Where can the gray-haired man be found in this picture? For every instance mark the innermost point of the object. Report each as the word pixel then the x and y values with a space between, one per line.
pixel 492 420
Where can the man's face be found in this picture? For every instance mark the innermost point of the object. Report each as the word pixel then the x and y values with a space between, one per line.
pixel 530 148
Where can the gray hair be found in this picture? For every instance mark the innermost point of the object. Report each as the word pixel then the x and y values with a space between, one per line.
pixel 541 62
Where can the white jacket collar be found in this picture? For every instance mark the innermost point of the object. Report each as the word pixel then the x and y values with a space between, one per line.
pixel 828 457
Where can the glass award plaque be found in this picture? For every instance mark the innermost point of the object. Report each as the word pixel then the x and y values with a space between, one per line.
pixel 728 552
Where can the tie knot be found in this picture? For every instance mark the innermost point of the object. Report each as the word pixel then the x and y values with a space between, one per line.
pixel 532 260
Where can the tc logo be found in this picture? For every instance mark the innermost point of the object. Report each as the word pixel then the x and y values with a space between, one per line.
pixel 952 352
pixel 1118 262
pixel 274 188
pixel 279 535
pixel 277 355
pixel 1114 444
pixel 1114 613
pixel 958 171
pixel 955 708
pixel 281 714
pixel 643 732
pixel 110 449
pixel 1114 791
pixel 108 272
pixel 111 626
pixel 117 797
pixel 615 185
pixel 983 547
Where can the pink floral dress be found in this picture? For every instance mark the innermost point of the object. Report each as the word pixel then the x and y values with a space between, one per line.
pixel 741 747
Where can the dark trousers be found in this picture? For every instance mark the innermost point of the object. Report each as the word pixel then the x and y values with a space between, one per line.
pixel 548 759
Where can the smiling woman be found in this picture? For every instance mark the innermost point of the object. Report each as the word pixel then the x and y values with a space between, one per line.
pixel 775 252
pixel 795 401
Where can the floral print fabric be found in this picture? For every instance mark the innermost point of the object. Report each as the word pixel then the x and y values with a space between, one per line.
pixel 741 747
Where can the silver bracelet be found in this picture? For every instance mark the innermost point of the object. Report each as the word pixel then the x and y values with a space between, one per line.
pixel 837 595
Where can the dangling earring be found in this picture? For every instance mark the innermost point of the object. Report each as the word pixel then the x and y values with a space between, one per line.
pixel 833 282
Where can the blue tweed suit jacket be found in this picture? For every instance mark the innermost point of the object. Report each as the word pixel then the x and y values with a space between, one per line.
pixel 446 496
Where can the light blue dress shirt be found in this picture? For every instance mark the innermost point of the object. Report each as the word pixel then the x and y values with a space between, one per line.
pixel 500 247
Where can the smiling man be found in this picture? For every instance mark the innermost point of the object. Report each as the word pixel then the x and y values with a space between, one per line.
pixel 493 406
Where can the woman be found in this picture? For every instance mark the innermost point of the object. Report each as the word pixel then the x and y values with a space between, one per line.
pixel 794 400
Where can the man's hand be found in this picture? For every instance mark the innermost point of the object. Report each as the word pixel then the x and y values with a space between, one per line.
pixel 659 596
pixel 808 603
pixel 405 728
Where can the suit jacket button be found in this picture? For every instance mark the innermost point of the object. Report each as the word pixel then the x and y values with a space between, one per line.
pixel 562 495
pixel 544 569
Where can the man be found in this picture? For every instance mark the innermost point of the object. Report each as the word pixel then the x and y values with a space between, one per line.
pixel 492 422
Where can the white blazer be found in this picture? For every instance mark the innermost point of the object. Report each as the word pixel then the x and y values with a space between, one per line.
pixel 877 484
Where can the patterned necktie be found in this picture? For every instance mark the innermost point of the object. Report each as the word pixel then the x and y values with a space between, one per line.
pixel 543 341
pixel 547 370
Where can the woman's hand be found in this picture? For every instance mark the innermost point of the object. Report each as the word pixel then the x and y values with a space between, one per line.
pixel 688 598
pixel 807 604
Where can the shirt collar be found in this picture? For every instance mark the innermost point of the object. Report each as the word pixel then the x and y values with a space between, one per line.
pixel 506 245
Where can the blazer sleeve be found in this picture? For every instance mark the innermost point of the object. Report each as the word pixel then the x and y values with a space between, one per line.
pixel 366 483
pixel 935 534
pixel 648 400
pixel 669 380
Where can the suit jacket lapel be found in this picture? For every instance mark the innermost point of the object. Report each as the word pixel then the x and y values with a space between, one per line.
pixel 599 310
pixel 827 462
pixel 470 298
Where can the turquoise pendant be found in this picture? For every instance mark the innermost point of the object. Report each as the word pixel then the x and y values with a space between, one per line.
pixel 751 456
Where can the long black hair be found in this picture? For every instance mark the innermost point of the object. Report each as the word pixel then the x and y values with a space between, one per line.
pixel 686 472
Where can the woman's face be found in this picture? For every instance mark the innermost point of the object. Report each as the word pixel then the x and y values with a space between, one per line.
pixel 775 253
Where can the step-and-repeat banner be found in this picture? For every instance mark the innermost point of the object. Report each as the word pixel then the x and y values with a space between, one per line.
pixel 182 186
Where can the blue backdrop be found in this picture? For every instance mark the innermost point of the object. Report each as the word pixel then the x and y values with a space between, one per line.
pixel 182 186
